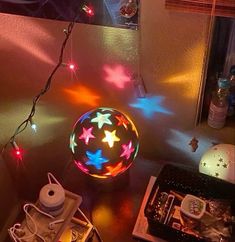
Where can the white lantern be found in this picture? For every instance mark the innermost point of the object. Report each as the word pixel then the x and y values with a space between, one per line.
pixel 219 161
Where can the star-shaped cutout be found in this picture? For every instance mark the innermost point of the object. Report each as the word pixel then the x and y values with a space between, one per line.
pixel 96 159
pixel 204 163
pixel 220 160
pixel 84 117
pixel 116 75
pixel 110 137
pixel 81 167
pixel 102 119
pixel 225 165
pixel 150 105
pixel 216 174
pixel 122 121
pixel 127 150
pixel 86 135
pixel 72 142
pixel 115 170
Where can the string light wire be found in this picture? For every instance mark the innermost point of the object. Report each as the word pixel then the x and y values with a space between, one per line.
pixel 28 120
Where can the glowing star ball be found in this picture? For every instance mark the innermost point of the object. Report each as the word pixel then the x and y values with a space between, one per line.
pixel 219 161
pixel 104 142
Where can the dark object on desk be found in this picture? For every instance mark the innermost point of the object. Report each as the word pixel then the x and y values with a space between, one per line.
pixel 194 144
pixel 164 212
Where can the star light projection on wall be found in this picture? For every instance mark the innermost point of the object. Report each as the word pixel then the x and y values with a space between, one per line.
pixel 118 75
pixel 150 105
pixel 82 95
pixel 104 142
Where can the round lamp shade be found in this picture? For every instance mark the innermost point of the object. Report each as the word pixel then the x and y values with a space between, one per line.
pixel 104 142
pixel 219 161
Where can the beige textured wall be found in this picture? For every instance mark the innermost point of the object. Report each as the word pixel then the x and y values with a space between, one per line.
pixel 173 52
pixel 172 48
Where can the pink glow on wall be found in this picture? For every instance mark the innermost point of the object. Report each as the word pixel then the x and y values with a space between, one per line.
pixel 27 35
pixel 118 75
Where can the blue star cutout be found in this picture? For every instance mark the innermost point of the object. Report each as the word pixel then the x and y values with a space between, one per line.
pixel 96 159
pixel 85 116
pixel 150 105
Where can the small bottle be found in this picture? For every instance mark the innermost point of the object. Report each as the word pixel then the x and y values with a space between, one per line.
pixel 219 105
pixel 231 107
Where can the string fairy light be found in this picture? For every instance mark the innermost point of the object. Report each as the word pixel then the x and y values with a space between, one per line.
pixel 88 10
pixel 29 119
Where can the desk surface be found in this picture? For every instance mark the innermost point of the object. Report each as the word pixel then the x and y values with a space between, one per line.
pixel 113 206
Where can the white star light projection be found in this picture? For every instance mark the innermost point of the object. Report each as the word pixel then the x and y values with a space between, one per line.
pixel 104 142
pixel 219 161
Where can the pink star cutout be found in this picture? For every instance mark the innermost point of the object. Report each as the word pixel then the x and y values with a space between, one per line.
pixel 86 135
pixel 127 150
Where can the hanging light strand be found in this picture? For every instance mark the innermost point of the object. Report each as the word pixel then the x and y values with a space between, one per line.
pixel 28 120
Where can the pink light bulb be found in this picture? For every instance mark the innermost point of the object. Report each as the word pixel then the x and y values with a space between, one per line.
pixel 89 11
pixel 71 67
pixel 18 155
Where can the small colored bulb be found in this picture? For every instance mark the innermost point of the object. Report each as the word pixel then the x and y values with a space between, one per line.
pixel 18 155
pixel 17 151
pixel 89 11
pixel 34 127
pixel 71 67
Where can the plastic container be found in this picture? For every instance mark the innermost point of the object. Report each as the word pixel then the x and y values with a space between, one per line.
pixel 186 181
pixel 193 206
pixel 219 105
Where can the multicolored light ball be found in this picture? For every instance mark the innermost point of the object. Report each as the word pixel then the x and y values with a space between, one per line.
pixel 104 142
pixel 219 161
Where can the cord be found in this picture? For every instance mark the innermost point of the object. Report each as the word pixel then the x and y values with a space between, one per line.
pixel 50 176
pixel 16 229
pixel 88 222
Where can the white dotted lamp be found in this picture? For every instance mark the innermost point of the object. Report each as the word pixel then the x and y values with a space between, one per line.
pixel 219 161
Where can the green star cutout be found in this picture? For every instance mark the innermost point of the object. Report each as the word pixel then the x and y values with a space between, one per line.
pixel 72 142
pixel 101 119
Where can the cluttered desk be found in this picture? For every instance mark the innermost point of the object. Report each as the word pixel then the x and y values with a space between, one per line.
pixel 148 206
